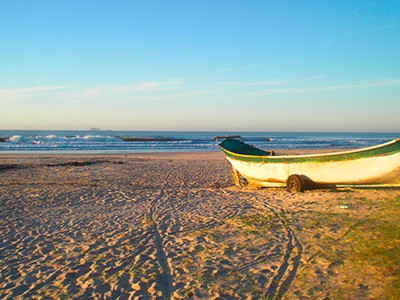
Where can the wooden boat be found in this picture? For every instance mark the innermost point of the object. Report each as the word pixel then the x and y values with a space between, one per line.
pixel 377 165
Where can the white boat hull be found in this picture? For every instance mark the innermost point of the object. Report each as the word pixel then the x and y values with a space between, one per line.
pixel 363 171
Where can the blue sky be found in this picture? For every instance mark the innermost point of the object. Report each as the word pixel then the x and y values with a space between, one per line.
pixel 200 65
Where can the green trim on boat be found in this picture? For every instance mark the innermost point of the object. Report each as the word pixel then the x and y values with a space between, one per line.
pixel 238 150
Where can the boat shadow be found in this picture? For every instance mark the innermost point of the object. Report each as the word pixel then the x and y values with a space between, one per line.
pixel 311 185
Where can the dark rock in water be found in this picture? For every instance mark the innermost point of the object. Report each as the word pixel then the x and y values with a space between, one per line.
pixel 3 140
pixel 146 139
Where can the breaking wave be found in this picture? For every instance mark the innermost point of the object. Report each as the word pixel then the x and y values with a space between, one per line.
pixel 125 141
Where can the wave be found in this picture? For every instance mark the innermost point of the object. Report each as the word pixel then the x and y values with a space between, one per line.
pixel 15 139
pixel 96 137
pixel 176 141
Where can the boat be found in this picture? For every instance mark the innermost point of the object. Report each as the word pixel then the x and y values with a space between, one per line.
pixel 254 167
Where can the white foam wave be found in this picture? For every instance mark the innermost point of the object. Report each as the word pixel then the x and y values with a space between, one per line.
pixel 94 137
pixel 52 137
pixel 15 139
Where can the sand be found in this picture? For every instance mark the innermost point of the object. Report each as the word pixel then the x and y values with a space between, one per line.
pixel 172 226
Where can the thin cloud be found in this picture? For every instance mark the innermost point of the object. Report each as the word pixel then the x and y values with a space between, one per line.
pixel 37 89
pixel 147 86
pixel 362 85
pixel 172 96
pixel 291 90
pixel 23 93
pixel 85 94
pixel 121 90
pixel 272 82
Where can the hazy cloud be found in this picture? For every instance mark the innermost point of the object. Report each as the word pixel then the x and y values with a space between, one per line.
pixel 124 90
pixel 7 95
pixel 272 82
pixel 393 82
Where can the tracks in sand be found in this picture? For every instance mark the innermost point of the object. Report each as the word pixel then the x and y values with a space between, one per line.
pixel 286 273
pixel 166 277
pixel 130 230
pixel 164 224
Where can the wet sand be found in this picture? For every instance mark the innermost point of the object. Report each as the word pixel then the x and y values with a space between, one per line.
pixel 172 226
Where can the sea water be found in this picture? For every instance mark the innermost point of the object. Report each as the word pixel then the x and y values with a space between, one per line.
pixel 99 141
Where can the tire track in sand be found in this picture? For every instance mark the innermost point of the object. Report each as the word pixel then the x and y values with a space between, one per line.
pixel 166 277
pixel 286 273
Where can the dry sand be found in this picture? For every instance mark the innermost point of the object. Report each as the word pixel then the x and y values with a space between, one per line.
pixel 171 226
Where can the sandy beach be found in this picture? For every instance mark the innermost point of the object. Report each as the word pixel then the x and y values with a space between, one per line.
pixel 174 226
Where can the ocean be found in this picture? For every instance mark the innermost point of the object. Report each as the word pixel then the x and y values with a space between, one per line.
pixel 99 141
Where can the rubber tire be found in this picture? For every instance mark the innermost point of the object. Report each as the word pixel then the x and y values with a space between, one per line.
pixel 295 184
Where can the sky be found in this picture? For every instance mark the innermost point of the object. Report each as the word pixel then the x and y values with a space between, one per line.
pixel 200 65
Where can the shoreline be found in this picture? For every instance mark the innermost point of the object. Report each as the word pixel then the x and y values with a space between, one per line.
pixel 131 155
pixel 161 154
